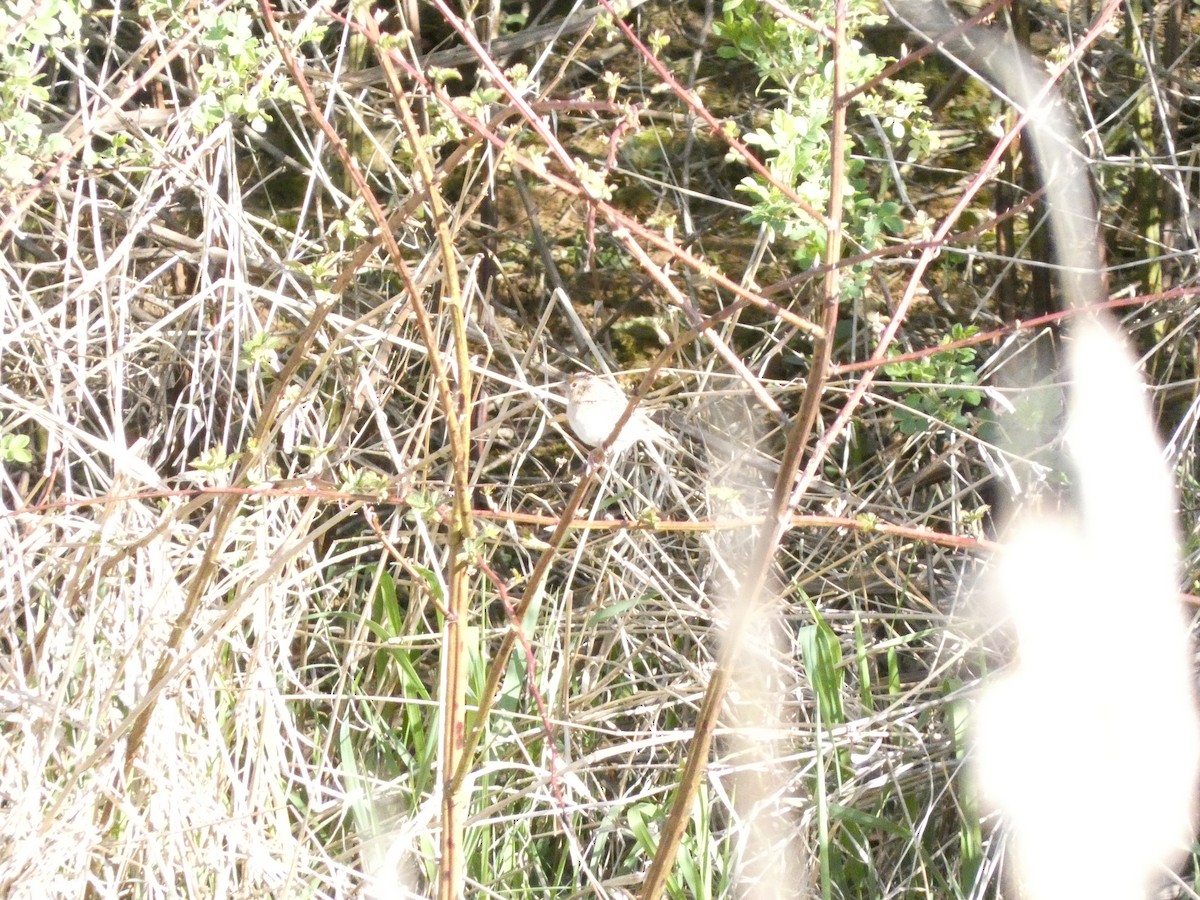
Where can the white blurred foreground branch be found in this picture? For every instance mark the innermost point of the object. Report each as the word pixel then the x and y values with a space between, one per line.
pixel 1090 744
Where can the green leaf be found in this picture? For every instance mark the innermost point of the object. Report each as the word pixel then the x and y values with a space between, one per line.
pixel 822 654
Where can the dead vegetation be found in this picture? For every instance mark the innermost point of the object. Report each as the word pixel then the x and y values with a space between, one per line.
pixel 288 306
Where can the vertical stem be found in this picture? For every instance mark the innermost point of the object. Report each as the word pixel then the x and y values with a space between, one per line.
pixel 455 388
pixel 1041 284
pixel 1146 193
pixel 783 499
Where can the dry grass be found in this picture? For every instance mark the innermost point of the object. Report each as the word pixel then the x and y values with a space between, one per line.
pixel 227 665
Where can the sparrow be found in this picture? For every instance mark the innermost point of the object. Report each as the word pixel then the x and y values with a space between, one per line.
pixel 594 405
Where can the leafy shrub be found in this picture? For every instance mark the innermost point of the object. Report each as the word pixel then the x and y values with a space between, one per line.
pixel 938 387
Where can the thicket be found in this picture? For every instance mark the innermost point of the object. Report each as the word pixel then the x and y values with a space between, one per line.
pixel 310 592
